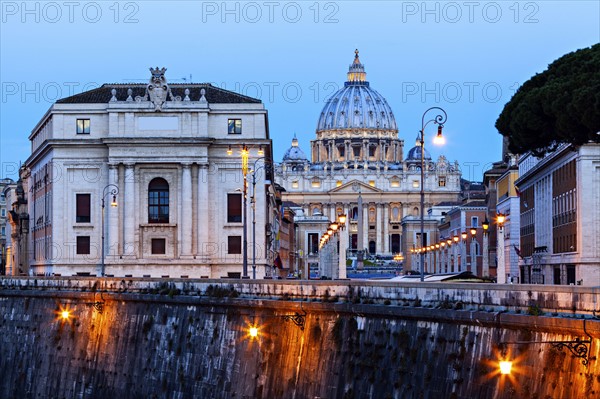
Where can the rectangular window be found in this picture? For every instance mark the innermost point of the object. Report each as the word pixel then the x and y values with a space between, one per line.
pixel 234 208
pixel 372 183
pixel 316 184
pixel 295 184
pixel 395 183
pixel 442 182
pixel 415 184
pixel 338 183
pixel 3 230
pixel 83 245
pixel 571 274
pixel 234 126
pixel 82 211
pixel 556 275
pixel 234 245
pixel 159 246
pixel 474 221
pixel 313 243
pixel 83 126
pixel 3 212
pixel 395 243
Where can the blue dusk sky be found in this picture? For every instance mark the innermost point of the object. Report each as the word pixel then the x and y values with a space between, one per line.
pixel 466 57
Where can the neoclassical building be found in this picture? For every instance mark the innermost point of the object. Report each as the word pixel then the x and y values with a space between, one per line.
pixel 146 180
pixel 358 165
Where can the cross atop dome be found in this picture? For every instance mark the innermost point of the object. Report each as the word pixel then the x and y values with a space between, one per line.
pixel 356 72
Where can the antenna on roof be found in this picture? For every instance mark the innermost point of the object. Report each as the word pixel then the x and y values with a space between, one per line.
pixel 185 79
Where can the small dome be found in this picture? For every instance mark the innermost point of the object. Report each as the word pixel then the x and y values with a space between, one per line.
pixel 356 105
pixel 415 154
pixel 294 153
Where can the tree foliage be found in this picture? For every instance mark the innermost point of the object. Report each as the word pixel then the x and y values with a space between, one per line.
pixel 559 105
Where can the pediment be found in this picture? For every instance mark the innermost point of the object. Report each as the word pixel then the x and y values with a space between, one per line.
pixel 354 186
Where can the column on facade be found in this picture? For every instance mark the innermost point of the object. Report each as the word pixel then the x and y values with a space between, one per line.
pixel 365 231
pixel 379 229
pixel 202 211
pixel 129 210
pixel 113 213
pixel 386 228
pixel 186 209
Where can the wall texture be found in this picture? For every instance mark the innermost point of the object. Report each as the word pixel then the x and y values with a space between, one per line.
pixel 171 343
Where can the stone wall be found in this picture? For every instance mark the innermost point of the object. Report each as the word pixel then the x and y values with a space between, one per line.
pixel 169 342
pixel 559 299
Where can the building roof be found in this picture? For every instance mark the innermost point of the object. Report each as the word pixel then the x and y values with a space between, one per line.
pixel 414 154
pixel 356 106
pixel 102 94
pixel 294 153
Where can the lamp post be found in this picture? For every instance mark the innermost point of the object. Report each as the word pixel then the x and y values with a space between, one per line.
pixel 439 119
pixel 456 239
pixel 244 213
pixel 501 271
pixel 341 223
pixel 473 251
pixel 485 262
pixel 253 202
pixel 463 251
pixel 110 189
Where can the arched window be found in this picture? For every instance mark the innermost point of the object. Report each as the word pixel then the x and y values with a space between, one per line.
pixel 158 201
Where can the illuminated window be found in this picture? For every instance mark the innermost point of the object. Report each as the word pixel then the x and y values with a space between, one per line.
pixel 316 184
pixel 415 184
pixel 234 126
pixel 395 183
pixel 295 184
pixel 338 183
pixel 442 182
pixel 372 183
pixel 83 126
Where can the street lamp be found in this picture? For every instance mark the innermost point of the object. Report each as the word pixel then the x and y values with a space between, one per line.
pixel 439 119
pixel 463 251
pixel 501 273
pixel 110 189
pixel 244 154
pixel 341 226
pixel 485 264
pixel 473 250
pixel 253 202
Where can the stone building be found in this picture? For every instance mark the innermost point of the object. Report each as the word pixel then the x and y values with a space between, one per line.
pixel 5 187
pixel 170 160
pixel 508 206
pixel 357 156
pixel 17 228
pixel 560 216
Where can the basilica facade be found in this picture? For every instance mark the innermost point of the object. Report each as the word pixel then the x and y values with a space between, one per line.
pixel 358 167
